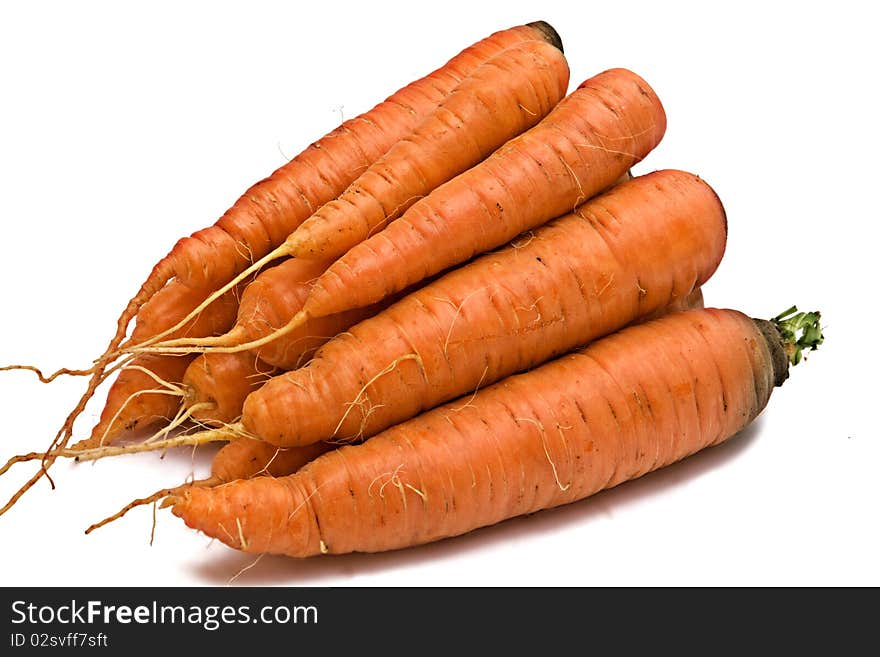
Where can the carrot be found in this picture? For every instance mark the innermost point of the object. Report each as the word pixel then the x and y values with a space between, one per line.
pixel 215 385
pixel 628 404
pixel 586 143
pixel 269 452
pixel 503 97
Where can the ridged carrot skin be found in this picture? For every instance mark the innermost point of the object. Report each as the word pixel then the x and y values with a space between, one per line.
pixel 619 258
pixel 502 98
pixel 589 140
pixel 628 404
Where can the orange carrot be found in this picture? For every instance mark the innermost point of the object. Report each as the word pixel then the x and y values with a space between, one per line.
pixel 217 384
pixel 628 404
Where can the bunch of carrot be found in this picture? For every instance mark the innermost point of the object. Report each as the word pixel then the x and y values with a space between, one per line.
pixel 453 309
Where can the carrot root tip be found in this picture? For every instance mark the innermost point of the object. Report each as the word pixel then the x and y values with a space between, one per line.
pixel 164 494
pixel 44 378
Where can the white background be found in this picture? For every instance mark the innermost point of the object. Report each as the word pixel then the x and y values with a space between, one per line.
pixel 123 129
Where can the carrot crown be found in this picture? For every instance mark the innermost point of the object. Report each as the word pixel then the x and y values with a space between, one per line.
pixel 799 331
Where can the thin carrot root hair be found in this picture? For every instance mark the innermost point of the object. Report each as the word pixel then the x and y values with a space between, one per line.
pixel 202 437
pixel 155 497
pixel 104 367
pixel 166 388
pixel 50 377
pixel 59 444
pixel 152 444
pixel 156 342
pixel 361 400
pixel 233 462
pixel 185 413
pixel 542 432
pixel 200 346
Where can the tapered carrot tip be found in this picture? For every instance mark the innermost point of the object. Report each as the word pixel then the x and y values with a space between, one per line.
pixel 226 513
pixel 549 33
